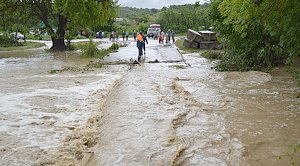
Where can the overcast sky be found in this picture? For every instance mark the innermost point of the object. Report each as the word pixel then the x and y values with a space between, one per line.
pixel 158 4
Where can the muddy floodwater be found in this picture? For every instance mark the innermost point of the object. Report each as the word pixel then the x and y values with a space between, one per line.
pixel 172 109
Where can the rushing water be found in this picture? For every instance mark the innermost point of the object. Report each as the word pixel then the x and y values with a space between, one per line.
pixel 176 112
pixel 39 109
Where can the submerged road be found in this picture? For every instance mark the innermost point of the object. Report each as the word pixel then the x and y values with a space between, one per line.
pixel 154 52
pixel 184 113
pixel 150 119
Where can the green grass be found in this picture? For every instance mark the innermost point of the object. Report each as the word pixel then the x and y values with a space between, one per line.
pixel 38 37
pixel 24 46
pixel 86 68
pixel 90 50
pixel 181 34
pixel 79 45
pixel 212 54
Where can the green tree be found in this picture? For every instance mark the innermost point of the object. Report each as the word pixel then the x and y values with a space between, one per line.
pixel 282 20
pixel 181 18
pixel 66 15
pixel 14 17
pixel 143 27
pixel 254 38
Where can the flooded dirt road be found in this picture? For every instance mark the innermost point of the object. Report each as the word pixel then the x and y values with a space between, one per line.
pixel 176 112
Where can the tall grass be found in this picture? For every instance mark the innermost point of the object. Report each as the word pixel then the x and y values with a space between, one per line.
pixel 90 50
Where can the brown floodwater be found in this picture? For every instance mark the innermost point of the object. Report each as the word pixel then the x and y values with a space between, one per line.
pixel 176 112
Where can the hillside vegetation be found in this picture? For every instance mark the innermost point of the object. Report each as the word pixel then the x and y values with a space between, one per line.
pixel 177 17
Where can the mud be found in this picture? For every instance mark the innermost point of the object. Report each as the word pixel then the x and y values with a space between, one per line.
pixel 176 112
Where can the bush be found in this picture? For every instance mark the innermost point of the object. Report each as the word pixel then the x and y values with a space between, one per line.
pixel 295 74
pixel 250 43
pixel 114 46
pixel 8 42
pixel 90 49
pixel 251 52
pixel 237 62
pixel 211 55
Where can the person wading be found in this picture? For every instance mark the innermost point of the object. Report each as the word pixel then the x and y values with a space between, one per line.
pixel 139 44
pixel 144 43
pixel 123 35
pixel 134 35
pixel 173 36
pixel 126 34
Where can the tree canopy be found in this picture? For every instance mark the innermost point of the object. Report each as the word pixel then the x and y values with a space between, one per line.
pixel 60 15
pixel 257 33
pixel 134 19
pixel 177 17
pixel 183 17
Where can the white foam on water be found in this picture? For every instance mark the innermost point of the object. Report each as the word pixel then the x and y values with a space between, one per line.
pixel 41 110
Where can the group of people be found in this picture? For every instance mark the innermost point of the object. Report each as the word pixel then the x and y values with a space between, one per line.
pixel 166 36
pixel 115 35
pixel 163 37
pixel 141 39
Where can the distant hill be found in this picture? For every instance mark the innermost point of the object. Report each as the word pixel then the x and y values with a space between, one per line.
pixel 176 17
pixel 133 13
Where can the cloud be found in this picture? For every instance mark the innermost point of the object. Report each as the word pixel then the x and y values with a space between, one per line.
pixel 158 4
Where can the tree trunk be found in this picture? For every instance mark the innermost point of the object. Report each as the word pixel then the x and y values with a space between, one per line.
pixel 43 9
pixel 58 39
pixel 58 44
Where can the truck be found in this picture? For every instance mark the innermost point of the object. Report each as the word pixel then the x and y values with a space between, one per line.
pixel 153 30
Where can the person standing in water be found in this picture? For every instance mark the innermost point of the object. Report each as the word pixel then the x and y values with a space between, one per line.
pixel 127 34
pixel 139 44
pixel 117 35
pixel 173 36
pixel 134 35
pixel 167 37
pixel 161 38
pixel 123 35
pixel 144 43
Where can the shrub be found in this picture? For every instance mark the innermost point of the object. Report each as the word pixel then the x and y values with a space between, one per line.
pixel 8 42
pixel 90 49
pixel 114 46
pixel 211 55
pixel 295 74
pixel 250 40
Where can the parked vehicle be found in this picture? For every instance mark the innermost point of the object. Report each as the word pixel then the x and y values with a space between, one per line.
pixel 153 30
pixel 19 35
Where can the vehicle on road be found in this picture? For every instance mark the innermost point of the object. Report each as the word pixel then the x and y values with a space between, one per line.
pixel 153 30
pixel 17 35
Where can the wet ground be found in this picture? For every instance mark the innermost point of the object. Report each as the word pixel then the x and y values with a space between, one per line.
pixel 175 112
